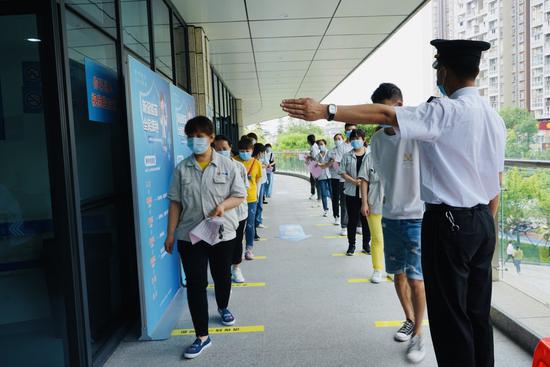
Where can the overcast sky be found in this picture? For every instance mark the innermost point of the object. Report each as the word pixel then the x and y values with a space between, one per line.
pixel 405 60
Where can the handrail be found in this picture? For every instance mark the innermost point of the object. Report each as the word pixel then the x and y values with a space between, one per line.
pixel 527 163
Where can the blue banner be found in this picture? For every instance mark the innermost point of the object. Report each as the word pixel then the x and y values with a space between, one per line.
pixel 183 109
pixel 151 144
pixel 101 91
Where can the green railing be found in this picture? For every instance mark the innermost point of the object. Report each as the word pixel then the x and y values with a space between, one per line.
pixel 289 162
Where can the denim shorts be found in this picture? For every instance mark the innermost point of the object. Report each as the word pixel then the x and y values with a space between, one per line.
pixel 402 249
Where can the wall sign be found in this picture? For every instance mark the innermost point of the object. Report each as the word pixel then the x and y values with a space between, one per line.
pixel 183 109
pixel 101 91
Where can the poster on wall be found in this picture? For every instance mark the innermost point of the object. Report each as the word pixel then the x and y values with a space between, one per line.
pixel 152 166
pixel 183 109
pixel 101 92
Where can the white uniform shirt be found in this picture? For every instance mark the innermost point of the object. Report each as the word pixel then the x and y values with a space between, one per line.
pixel 462 142
pixel 314 150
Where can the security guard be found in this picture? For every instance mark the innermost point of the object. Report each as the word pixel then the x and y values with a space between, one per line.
pixel 461 140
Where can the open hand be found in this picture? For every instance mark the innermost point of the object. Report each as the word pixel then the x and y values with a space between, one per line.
pixel 304 108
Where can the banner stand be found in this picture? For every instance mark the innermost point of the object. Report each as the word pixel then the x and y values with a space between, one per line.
pixel 163 331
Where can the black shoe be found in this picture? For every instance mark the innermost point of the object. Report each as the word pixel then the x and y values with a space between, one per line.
pixel 366 250
pixel 350 251
pixel 256 238
pixel 265 202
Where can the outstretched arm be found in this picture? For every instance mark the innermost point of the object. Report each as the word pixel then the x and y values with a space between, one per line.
pixel 311 110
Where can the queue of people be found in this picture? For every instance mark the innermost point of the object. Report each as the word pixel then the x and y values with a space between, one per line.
pixel 459 144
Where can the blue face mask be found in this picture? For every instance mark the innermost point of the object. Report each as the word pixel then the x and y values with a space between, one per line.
pixel 245 156
pixel 323 148
pixel 442 89
pixel 198 145
pixel 348 134
pixel 338 142
pixel 225 153
pixel 356 144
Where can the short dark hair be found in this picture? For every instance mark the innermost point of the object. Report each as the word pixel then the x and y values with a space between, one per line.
pixel 348 124
pixel 359 133
pixel 386 91
pixel 222 138
pixel 311 138
pixel 258 148
pixel 252 136
pixel 338 134
pixel 199 124
pixel 321 140
pixel 268 145
pixel 245 143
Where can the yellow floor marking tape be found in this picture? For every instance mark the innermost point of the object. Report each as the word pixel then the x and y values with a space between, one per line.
pixel 366 280
pixel 260 257
pixel 222 330
pixel 242 285
pixel 263 239
pixel 344 254
pixel 337 237
pixel 394 323
pixel 324 225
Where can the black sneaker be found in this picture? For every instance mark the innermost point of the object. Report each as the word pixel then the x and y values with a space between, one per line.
pixel 256 238
pixel 350 251
pixel 405 332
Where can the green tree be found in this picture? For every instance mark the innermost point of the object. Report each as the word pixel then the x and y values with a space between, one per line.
pixel 519 196
pixel 256 129
pixel 295 136
pixel 521 128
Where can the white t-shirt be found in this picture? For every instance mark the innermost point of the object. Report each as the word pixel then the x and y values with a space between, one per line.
pixel 461 141
pixel 397 163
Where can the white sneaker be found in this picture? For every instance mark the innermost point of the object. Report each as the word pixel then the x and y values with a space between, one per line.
pixel 376 277
pixel 416 350
pixel 359 230
pixel 325 213
pixel 237 275
pixel 336 221
pixel 261 225
pixel 312 197
pixel 344 232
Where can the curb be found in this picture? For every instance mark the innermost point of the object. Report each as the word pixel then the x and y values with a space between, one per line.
pixel 512 328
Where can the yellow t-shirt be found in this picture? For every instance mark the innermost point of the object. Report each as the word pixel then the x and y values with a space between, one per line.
pixel 203 165
pixel 254 171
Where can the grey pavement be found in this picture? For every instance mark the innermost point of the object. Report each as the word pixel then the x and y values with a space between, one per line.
pixel 311 314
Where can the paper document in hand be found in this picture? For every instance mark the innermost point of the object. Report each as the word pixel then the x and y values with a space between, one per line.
pixel 314 169
pixel 208 231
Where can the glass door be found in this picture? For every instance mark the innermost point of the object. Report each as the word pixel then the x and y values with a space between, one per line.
pixel 40 307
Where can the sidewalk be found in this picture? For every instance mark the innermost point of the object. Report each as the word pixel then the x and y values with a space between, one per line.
pixel 311 314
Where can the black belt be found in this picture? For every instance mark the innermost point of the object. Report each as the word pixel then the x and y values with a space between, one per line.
pixel 447 208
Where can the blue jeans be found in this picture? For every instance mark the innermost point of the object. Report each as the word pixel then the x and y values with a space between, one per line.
pixel 402 249
pixel 260 206
pixel 250 228
pixel 269 188
pixel 324 186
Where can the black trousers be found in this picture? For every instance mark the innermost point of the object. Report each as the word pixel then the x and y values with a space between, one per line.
pixel 353 206
pixel 238 244
pixel 195 259
pixel 312 184
pixel 336 188
pixel 457 277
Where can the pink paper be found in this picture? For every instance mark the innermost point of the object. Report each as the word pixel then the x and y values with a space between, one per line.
pixel 314 169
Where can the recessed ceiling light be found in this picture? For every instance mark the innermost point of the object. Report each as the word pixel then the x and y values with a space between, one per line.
pixel 34 39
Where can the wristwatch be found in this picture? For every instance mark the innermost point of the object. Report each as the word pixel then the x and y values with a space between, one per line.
pixel 331 109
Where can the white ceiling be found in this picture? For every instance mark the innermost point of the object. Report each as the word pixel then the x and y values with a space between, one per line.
pixel 267 50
